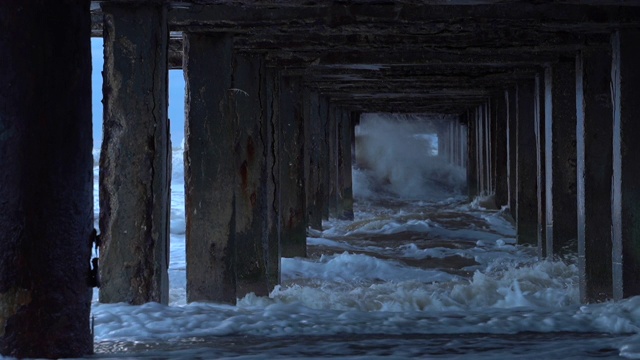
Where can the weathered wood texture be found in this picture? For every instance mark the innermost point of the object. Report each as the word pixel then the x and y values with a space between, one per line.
pixel 527 202
pixel 539 126
pixel 314 182
pixel 272 94
pixel 248 103
pixel 560 155
pixel 401 35
pixel 594 170
pixel 293 235
pixel 472 154
pixel 332 165
pixel 626 157
pixel 325 155
pixel 511 101
pixel 345 185
pixel 135 158
pixel 46 181
pixel 210 169
pixel 500 150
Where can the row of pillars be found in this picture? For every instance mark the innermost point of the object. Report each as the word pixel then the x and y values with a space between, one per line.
pixel 452 143
pixel 265 158
pixel 561 151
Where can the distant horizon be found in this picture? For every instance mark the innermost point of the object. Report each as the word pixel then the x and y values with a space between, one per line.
pixel 176 98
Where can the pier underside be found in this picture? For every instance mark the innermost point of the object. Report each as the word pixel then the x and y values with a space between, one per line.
pixel 537 103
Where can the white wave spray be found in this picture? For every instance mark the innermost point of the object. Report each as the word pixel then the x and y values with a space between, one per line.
pixel 397 154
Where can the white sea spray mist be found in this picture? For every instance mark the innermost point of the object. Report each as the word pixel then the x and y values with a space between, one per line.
pixel 397 154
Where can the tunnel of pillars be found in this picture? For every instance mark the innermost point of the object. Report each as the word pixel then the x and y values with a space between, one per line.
pixel 544 99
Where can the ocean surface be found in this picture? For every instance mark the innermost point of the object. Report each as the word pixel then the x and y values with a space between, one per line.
pixel 408 278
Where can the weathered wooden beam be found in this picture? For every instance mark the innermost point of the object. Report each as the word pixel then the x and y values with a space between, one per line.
pixel 488 56
pixel 560 158
pixel 365 58
pixel 500 149
pixel 527 202
pixel 345 186
pixel 273 186
pixel 135 159
pixel 557 16
pixel 594 168
pixel 293 235
pixel 539 132
pixel 436 84
pixel 406 105
pixel 46 182
pixel 325 154
pixel 248 106
pixel 410 101
pixel 313 180
pixel 466 34
pixel 426 70
pixel 210 171
pixel 625 77
pixel 511 101
pixel 472 153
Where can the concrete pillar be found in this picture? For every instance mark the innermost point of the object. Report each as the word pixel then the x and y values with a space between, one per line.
pixel 594 132
pixel 500 154
pixel 209 168
pixel 560 158
pixel 293 235
pixel 135 162
pixel 527 202
pixel 314 194
pixel 511 101
pixel 248 103
pixel 625 79
pixel 46 185
pixel 345 184
pixel 472 154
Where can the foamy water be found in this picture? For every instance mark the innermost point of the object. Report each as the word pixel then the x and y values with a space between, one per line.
pixel 374 288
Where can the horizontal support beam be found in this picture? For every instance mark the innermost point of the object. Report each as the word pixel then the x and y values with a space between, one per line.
pixel 567 16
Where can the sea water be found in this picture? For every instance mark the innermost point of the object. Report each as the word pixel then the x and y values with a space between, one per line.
pixel 406 279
